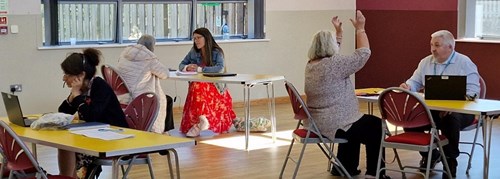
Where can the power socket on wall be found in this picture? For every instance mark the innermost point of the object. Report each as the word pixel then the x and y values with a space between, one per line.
pixel 16 88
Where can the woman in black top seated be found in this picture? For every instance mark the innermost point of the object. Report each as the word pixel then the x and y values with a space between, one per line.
pixel 93 99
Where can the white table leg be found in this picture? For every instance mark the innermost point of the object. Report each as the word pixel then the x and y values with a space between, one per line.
pixel 114 168
pixel 246 99
pixel 487 126
pixel 33 150
pixel 272 109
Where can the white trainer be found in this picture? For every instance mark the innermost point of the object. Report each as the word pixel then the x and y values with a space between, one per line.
pixel 204 125
pixel 194 131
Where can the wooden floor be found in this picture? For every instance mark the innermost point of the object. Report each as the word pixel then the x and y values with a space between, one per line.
pixel 222 156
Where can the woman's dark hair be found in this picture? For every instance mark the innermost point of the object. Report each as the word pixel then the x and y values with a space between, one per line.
pixel 76 63
pixel 210 45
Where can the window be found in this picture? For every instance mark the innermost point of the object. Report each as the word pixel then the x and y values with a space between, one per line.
pixel 124 21
pixel 162 20
pixel 214 16
pixel 482 19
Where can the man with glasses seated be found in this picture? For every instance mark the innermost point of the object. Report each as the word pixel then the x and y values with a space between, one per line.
pixel 444 60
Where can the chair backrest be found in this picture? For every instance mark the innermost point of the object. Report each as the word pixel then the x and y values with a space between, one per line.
pixel 298 105
pixel 482 85
pixel 113 78
pixel 404 108
pixel 17 154
pixel 141 113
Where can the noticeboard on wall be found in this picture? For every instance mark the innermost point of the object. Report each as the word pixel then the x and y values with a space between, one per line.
pixel 4 7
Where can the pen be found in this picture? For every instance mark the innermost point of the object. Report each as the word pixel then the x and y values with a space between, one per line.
pixel 111 130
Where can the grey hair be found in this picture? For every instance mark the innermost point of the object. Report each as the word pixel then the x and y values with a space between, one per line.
pixel 148 41
pixel 324 44
pixel 447 37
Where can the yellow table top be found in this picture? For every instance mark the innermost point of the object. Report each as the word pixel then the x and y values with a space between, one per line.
pixel 478 106
pixel 368 91
pixel 63 139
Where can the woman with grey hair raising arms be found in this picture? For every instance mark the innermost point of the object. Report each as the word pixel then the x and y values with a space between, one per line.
pixel 332 101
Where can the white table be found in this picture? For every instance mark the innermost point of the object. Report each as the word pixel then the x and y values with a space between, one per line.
pixel 485 108
pixel 248 81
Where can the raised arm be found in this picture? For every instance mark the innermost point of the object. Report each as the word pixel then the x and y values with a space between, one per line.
pixel 337 24
pixel 359 25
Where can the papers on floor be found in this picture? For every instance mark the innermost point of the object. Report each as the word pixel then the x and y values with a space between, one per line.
pixel 103 133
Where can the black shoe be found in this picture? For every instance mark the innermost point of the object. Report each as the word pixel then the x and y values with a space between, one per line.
pixel 334 171
pixel 436 158
pixel 452 163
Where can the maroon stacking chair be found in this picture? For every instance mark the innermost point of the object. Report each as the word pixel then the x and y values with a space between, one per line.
pixel 113 78
pixel 308 134
pixel 18 156
pixel 476 126
pixel 140 115
pixel 404 109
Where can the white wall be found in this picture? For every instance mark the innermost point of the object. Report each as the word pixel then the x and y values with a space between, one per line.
pixel 289 28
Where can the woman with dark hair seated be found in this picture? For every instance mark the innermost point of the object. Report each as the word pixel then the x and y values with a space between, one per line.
pixel 93 99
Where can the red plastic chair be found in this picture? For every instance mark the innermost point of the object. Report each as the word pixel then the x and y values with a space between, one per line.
pixel 113 78
pixel 311 135
pixel 19 158
pixel 405 109
pixel 140 114
pixel 476 126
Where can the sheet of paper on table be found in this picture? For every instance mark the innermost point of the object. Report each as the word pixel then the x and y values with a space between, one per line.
pixel 103 133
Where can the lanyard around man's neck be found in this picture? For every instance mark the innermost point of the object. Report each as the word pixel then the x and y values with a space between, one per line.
pixel 446 66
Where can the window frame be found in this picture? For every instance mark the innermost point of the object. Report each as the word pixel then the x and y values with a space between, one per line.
pixel 255 15
pixel 467 21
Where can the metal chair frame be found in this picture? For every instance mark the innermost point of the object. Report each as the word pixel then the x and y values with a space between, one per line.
pixel 18 156
pixel 313 136
pixel 405 109
pixel 477 125
pixel 141 114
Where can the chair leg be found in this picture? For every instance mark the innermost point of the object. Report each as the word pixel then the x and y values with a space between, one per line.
pixel 377 175
pixel 287 158
pixel 176 159
pixel 400 164
pixel 473 143
pixel 445 162
pixel 150 166
pixel 429 158
pixel 342 168
pixel 299 160
pixel 129 167
pixel 332 145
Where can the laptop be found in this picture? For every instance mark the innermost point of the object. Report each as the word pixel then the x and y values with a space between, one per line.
pixel 219 74
pixel 445 87
pixel 14 112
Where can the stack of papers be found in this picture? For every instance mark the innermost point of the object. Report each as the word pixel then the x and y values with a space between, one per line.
pixel 181 73
pixel 103 133
pixel 86 125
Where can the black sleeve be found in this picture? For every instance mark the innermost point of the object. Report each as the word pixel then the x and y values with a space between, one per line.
pixel 101 106
pixel 71 108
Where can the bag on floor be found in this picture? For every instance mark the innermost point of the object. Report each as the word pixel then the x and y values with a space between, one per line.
pixel 259 124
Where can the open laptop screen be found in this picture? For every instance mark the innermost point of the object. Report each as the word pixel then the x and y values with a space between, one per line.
pixel 13 109
pixel 445 87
